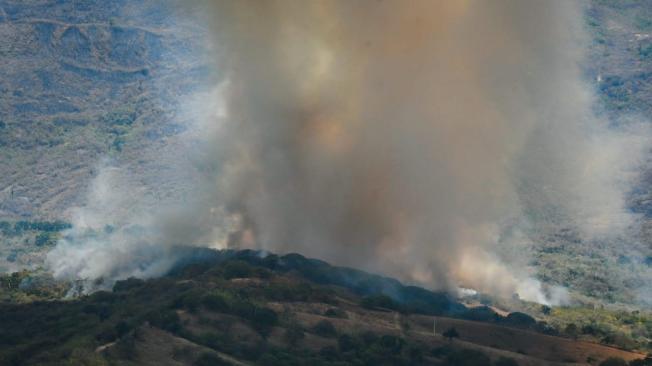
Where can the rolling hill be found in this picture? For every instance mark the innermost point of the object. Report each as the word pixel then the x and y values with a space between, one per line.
pixel 253 308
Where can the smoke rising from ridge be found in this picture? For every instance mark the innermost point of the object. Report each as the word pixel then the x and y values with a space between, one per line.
pixel 411 138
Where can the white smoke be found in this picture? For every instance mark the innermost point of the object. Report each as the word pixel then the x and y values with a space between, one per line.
pixel 415 139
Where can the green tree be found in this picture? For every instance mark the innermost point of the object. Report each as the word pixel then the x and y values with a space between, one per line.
pixel 215 302
pixel 571 330
pixel 42 239
pixel 545 309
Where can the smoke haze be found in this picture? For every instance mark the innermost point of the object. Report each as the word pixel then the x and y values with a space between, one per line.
pixel 418 139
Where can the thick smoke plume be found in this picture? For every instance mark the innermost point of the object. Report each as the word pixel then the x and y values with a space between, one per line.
pixel 411 138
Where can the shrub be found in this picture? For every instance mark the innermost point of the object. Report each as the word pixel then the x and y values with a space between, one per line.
pixel 571 330
pixel 101 310
pixel 468 357
pixel 613 361
pixel 237 269
pixel 107 335
pixel 328 353
pixel 165 319
pixel 293 334
pixel 589 329
pixel 451 333
pixel 619 339
pixel 269 359
pixel 215 302
pixel 128 284
pixel 104 296
pixel 85 357
pixel 414 354
pixel 125 347
pixel 482 314
pixel 346 343
pixel 521 320
pixel 210 359
pixel 546 328
pixel 641 362
pixel 189 301
pixel 379 301
pixel 441 351
pixel 211 339
pixel 120 117
pixel 179 353
pixel 325 328
pixel 289 292
pixel 392 344
pixel 368 337
pixel 43 239
pixel 335 313
pixel 122 328
pixel 263 320
pixel 242 308
pixel 505 361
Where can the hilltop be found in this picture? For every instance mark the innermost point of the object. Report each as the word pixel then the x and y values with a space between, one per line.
pixel 246 308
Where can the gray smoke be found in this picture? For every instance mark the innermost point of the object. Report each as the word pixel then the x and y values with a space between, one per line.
pixel 419 139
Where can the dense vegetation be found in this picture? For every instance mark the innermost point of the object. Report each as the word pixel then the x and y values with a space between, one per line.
pixel 28 286
pixel 238 286
pixel 624 328
pixel 24 243
pixel 235 304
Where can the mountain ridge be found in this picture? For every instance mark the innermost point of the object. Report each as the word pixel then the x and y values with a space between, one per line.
pixel 241 307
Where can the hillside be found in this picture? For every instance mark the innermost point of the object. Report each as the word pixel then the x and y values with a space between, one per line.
pixel 245 308
pixel 95 85
pixel 81 83
pixel 82 87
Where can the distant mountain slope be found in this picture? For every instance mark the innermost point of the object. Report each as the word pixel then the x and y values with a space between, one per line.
pixel 85 80
pixel 81 81
pixel 620 59
pixel 618 65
